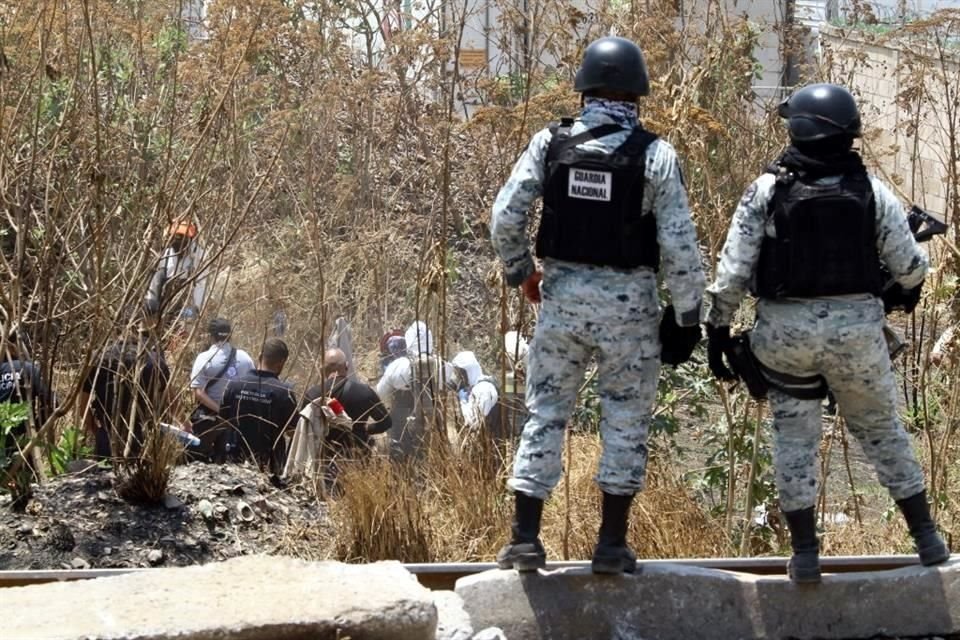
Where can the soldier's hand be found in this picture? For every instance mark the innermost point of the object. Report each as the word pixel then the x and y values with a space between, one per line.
pixel 677 343
pixel 896 297
pixel 911 298
pixel 718 342
pixel 531 287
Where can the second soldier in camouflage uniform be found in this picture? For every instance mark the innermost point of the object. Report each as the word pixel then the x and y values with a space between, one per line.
pixel 809 238
pixel 614 203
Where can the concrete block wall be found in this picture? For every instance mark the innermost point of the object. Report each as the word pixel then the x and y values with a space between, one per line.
pixel 911 146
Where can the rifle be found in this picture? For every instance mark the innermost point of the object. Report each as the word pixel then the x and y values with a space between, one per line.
pixel 924 226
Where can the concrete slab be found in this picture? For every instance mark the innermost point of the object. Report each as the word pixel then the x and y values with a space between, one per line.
pixel 673 602
pixel 249 598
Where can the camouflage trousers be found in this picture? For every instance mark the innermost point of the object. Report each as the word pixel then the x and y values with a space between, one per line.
pixel 583 315
pixel 842 340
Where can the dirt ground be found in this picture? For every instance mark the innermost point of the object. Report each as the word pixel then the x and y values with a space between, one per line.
pixel 211 512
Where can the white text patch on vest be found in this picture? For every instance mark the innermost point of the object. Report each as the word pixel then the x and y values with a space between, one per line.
pixel 589 185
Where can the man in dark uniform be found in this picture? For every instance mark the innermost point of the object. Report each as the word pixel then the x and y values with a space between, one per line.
pixel 130 371
pixel 359 400
pixel 259 407
pixel 20 381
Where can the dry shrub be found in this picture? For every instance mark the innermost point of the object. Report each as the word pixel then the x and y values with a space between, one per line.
pixel 145 479
pixel 455 508
pixel 665 522
pixel 380 514
pixel 450 508
pixel 873 538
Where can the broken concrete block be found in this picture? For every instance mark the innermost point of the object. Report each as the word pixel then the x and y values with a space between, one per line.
pixel 248 598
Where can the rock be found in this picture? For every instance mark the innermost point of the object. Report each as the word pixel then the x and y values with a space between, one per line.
pixel 171 501
pixel 678 602
pixel 61 537
pixel 155 557
pixel 490 633
pixel 79 563
pixel 453 623
pixel 205 507
pixel 26 528
pixel 81 466
pixel 281 598
pixel 107 551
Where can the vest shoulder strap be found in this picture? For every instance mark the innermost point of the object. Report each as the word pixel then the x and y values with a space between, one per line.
pixel 562 140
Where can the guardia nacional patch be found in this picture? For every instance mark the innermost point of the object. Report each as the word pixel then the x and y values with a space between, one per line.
pixel 586 184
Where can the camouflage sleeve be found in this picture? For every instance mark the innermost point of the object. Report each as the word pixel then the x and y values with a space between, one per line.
pixel 680 262
pixel 907 262
pixel 508 227
pixel 738 259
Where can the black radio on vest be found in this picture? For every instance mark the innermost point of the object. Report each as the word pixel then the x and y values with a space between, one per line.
pixel 825 242
pixel 592 201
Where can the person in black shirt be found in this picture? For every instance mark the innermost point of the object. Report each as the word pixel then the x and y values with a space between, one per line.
pixel 259 407
pixel 123 392
pixel 359 400
pixel 20 381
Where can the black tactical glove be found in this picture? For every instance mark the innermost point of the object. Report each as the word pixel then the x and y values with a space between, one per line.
pixel 896 297
pixel 677 343
pixel 719 343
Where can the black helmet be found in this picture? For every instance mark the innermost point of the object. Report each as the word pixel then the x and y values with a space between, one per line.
pixel 219 328
pixel 820 111
pixel 613 64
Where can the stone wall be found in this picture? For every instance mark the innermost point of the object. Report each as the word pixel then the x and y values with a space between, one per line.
pixel 905 85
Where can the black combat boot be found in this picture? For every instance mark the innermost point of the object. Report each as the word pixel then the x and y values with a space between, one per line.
pixel 524 552
pixel 930 546
pixel 804 566
pixel 612 555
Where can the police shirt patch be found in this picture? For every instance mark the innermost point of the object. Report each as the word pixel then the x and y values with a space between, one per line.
pixel 749 195
pixel 589 185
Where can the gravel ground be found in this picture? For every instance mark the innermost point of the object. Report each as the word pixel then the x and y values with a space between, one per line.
pixel 211 512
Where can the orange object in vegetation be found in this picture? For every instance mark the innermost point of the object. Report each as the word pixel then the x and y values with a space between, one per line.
pixel 183 228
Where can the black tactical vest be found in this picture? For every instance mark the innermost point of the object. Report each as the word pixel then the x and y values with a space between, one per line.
pixel 825 242
pixel 592 201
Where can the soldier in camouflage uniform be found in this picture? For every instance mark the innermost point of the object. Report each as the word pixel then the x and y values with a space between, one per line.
pixel 614 201
pixel 809 238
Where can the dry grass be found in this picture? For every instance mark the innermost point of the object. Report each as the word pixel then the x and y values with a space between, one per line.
pixel 456 508
pixel 145 479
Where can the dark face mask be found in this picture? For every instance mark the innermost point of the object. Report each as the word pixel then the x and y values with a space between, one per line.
pixel 832 146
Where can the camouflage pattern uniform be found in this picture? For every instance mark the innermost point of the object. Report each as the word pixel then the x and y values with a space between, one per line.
pixel 840 338
pixel 587 310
